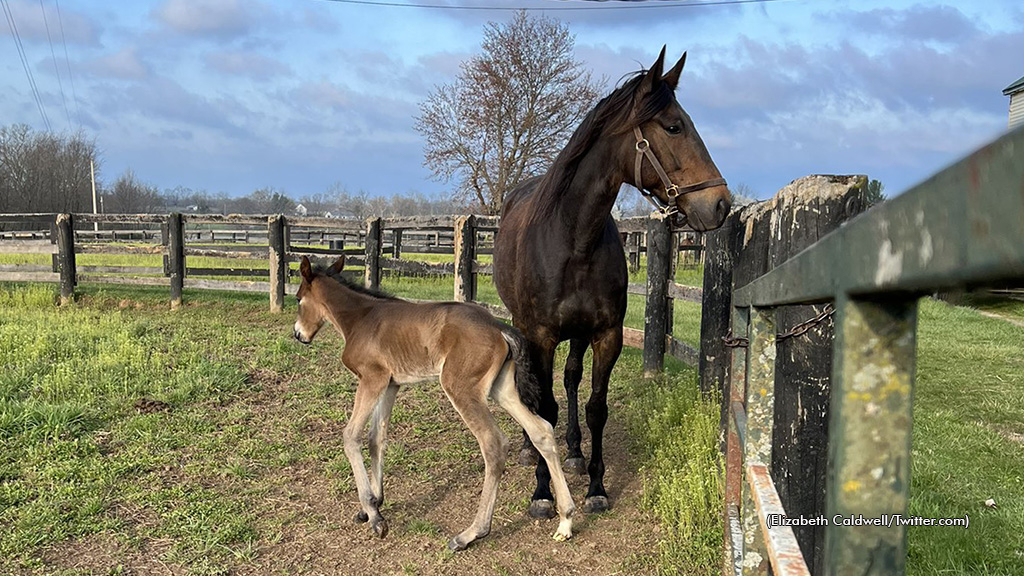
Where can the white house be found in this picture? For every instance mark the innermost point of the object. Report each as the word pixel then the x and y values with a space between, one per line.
pixel 1016 93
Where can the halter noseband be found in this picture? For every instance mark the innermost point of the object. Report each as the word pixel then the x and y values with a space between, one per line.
pixel 643 148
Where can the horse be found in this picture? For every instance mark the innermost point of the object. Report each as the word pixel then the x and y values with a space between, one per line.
pixel 390 342
pixel 559 264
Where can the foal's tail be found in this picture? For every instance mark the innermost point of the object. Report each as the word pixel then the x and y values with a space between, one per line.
pixel 526 381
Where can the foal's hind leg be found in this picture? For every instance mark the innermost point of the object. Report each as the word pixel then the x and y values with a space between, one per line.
pixel 377 440
pixel 574 462
pixel 472 406
pixel 368 394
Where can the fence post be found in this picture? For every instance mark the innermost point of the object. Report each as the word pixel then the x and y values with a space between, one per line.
pixel 66 257
pixel 760 408
pixel 869 447
pixel 659 256
pixel 735 444
pixel 176 257
pixel 633 250
pixel 396 247
pixel 465 252
pixel 373 248
pixel 277 239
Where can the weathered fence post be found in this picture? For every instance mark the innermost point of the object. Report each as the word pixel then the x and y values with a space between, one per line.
pixel 659 263
pixel 373 248
pixel 753 240
pixel 871 414
pixel 396 246
pixel 176 257
pixel 277 238
pixel 465 253
pixel 337 244
pixel 66 257
pixel 760 400
pixel 633 250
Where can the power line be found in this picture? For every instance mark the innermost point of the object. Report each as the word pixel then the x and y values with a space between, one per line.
pixel 24 62
pixel 633 5
pixel 56 70
pixel 71 77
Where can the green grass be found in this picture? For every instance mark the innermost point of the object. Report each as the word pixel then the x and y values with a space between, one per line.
pixel 675 430
pixel 968 443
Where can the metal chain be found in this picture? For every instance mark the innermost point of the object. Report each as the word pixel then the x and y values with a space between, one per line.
pixel 798 330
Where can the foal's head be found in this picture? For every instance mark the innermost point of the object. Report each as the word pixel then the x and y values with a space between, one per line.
pixel 312 311
pixel 696 187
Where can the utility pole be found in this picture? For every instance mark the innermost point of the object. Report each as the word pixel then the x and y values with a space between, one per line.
pixel 92 176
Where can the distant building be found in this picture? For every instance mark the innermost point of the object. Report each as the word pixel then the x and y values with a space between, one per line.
pixel 300 210
pixel 1016 93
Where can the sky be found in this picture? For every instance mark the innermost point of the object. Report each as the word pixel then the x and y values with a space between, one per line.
pixel 234 95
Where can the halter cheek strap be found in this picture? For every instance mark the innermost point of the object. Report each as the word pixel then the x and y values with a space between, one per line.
pixel 643 149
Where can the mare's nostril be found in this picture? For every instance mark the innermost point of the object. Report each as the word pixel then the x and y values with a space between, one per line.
pixel 722 209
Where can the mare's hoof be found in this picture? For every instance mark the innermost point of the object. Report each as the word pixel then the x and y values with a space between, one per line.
pixel 380 528
pixel 455 546
pixel 595 504
pixel 575 465
pixel 528 457
pixel 542 509
pixel 361 517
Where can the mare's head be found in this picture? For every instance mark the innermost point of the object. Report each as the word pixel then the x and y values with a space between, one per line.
pixel 312 310
pixel 690 183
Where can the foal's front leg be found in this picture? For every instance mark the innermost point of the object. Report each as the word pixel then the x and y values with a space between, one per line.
pixel 378 439
pixel 368 394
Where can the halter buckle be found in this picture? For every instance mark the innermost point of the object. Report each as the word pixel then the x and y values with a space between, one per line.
pixel 643 145
pixel 672 191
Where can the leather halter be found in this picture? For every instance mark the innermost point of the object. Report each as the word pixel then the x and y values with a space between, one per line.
pixel 643 148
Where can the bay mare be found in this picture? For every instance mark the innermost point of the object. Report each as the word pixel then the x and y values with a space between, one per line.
pixel 559 265
pixel 391 342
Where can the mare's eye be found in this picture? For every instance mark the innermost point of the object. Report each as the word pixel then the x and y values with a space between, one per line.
pixel 674 129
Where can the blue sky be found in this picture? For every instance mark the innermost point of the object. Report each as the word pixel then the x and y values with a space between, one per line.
pixel 233 95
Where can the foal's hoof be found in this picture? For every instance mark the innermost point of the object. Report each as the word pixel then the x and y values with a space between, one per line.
pixel 595 504
pixel 380 528
pixel 455 546
pixel 575 465
pixel 361 517
pixel 528 457
pixel 542 509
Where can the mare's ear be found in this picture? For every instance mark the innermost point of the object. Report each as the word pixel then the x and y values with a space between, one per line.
pixel 305 269
pixel 672 76
pixel 653 76
pixel 338 265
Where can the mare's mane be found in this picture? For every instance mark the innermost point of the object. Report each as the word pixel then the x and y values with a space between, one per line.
pixel 616 113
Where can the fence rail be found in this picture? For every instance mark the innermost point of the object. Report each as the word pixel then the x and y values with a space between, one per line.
pixel 962 228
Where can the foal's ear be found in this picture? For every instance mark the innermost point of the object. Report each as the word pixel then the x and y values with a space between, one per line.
pixel 338 265
pixel 305 269
pixel 653 76
pixel 672 76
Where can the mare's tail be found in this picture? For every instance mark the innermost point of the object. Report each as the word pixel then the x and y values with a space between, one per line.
pixel 526 381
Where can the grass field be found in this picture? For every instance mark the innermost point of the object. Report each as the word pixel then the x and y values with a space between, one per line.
pixel 237 468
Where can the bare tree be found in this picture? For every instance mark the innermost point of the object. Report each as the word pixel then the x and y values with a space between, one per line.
pixel 129 195
pixel 509 112
pixel 44 172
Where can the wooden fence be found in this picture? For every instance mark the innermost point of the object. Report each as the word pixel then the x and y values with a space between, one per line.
pixel 378 245
pixel 821 426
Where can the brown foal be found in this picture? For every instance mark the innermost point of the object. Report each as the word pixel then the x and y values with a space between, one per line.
pixel 390 342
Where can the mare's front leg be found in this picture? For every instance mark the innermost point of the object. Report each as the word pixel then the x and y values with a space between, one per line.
pixel 607 347
pixel 574 462
pixel 368 394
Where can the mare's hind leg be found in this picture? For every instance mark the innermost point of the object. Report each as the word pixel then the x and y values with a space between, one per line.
pixel 378 438
pixel 472 406
pixel 574 462
pixel 368 394
pixel 607 347
pixel 544 439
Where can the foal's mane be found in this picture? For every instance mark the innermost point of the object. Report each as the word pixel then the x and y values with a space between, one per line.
pixel 616 113
pixel 354 286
